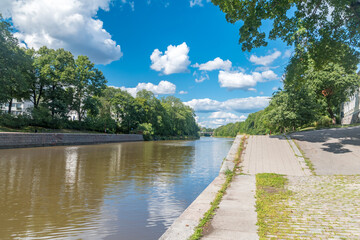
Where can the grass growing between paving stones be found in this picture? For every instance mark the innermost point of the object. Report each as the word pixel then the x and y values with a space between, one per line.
pixel 309 164
pixel 271 197
pixel 215 204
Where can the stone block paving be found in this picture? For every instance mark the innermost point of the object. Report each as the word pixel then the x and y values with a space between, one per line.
pixel 322 207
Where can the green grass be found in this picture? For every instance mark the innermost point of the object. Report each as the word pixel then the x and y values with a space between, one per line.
pixel 198 233
pixel 331 126
pixel 309 164
pixel 271 197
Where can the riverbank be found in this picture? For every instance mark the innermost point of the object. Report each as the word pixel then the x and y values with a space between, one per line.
pixel 185 225
pixel 22 140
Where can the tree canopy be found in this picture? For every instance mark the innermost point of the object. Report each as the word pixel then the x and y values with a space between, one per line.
pixel 294 21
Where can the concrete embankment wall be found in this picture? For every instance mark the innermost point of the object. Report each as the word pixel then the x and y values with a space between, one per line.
pixel 184 226
pixel 19 140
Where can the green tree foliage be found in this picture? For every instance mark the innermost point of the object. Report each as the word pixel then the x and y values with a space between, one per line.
pixel 180 119
pixel 290 109
pixel 126 110
pixel 332 86
pixel 14 66
pixel 294 21
pixel 145 113
pixel 60 72
pixel 228 130
pixel 87 83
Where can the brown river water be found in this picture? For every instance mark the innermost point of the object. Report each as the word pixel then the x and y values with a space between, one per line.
pixel 109 191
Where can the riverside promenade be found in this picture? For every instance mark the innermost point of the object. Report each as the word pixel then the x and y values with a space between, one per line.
pixel 324 203
pixel 236 216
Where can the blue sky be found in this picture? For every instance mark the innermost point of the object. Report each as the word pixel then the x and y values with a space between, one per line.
pixel 182 48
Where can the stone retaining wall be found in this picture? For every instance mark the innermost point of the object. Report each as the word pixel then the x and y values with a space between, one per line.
pixel 229 161
pixel 184 226
pixel 18 140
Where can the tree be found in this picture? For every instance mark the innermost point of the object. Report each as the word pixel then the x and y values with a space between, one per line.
pixel 151 111
pixel 333 86
pixel 294 21
pixel 87 83
pixel 14 66
pixel 56 70
pixel 332 79
pixel 126 110
pixel 291 108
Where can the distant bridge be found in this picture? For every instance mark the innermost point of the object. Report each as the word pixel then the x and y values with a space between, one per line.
pixel 206 134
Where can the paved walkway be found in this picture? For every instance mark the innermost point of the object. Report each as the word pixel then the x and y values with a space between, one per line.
pixel 332 151
pixel 236 217
pixel 272 154
pixel 322 207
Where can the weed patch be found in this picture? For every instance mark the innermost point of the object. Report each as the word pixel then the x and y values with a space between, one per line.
pixel 309 164
pixel 271 197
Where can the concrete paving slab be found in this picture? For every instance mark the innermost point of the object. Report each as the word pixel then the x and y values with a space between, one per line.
pixel 236 216
pixel 272 154
pixel 231 235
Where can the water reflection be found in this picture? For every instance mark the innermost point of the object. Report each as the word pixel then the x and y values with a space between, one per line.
pixel 110 191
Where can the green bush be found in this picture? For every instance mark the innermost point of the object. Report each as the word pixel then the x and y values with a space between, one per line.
pixel 147 130
pixel 323 121
pixel 12 121
pixel 100 124
pixel 41 117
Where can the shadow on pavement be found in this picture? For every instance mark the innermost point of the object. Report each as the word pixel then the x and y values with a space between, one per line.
pixel 333 140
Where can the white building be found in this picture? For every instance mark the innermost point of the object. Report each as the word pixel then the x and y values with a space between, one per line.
pixel 350 112
pixel 18 107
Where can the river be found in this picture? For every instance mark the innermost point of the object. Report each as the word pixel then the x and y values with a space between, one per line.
pixel 109 191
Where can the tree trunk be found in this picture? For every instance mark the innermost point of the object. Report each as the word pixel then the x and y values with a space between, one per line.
pixel 332 115
pixel 52 101
pixel 10 105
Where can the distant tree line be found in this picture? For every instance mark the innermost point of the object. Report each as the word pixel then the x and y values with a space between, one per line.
pixel 58 84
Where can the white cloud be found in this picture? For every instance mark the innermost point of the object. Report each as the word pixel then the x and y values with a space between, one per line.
pixel 68 24
pixel 132 5
pixel 275 88
pixel 216 64
pixel 236 104
pixel 183 92
pixel 221 118
pixel 287 53
pixel 164 87
pixel 202 78
pixel 174 60
pixel 197 3
pixel 240 80
pixel 236 80
pixel 252 89
pixel 265 60
pixel 226 115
